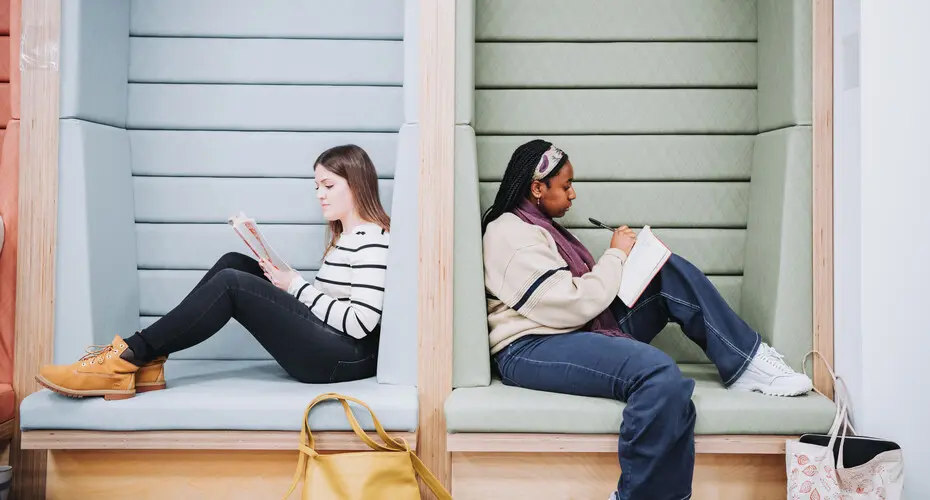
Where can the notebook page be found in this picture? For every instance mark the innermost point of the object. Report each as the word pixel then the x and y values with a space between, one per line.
pixel 644 262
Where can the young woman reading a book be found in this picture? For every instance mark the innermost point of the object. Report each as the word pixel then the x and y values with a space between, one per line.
pixel 556 325
pixel 320 332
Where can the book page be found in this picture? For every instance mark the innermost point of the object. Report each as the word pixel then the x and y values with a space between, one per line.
pixel 248 230
pixel 647 257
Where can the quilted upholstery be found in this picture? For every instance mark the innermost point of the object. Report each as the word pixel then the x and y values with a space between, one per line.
pixel 382 19
pixel 266 60
pixel 6 112
pixel 597 20
pixel 778 282
pixel 679 204
pixel 94 56
pixel 7 402
pixel 634 157
pixel 464 62
pixel 16 7
pixel 785 63
pixel 500 408
pixel 96 288
pixel 224 395
pixel 249 154
pixel 615 111
pixel 632 64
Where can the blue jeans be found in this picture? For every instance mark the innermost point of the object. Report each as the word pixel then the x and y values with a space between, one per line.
pixel 656 445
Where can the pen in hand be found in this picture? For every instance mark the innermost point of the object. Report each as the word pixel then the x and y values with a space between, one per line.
pixel 601 224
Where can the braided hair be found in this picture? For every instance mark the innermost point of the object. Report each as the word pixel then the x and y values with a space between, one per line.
pixel 517 179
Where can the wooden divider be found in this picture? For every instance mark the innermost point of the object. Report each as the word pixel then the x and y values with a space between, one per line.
pixel 437 126
pixel 38 209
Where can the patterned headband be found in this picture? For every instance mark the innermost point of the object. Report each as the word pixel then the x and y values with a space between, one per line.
pixel 549 160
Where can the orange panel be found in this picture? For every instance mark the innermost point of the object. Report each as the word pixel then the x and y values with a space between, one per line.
pixel 9 210
pixel 16 14
pixel 7 402
pixel 5 111
pixel 4 58
pixel 4 17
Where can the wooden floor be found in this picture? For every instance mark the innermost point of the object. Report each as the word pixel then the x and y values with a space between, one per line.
pixel 593 476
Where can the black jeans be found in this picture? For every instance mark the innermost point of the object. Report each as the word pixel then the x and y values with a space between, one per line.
pixel 308 349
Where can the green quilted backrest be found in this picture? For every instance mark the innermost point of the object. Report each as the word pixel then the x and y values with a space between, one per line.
pixel 659 105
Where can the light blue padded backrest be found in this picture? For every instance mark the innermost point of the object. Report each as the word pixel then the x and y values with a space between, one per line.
pixel 96 284
pixel 228 108
pixel 658 113
pixel 777 292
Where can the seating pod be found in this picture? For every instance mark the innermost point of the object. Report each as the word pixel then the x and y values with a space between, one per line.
pixel 174 115
pixel 692 117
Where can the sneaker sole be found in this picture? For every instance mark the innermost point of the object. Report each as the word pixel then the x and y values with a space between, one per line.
pixel 769 390
pixel 108 395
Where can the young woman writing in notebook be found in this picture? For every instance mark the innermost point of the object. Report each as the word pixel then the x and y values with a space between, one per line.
pixel 556 325
pixel 320 332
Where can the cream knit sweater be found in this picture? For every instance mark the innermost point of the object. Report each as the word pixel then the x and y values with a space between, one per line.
pixel 530 289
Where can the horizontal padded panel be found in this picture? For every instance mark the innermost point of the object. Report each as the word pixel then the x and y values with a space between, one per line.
pixel 226 395
pixel 265 107
pixel 205 199
pixel 161 291
pixel 500 408
pixel 618 64
pixel 616 111
pixel 626 157
pixel 233 341
pixel 6 110
pixel 249 154
pixel 617 20
pixel 714 251
pixel 363 19
pixel 274 61
pixel 198 246
pixel 785 63
pixel 658 204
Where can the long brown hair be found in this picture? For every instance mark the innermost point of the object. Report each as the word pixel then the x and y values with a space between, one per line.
pixel 353 164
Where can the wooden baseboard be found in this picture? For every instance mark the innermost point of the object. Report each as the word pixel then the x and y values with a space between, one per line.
pixel 604 443
pixel 586 476
pixel 195 440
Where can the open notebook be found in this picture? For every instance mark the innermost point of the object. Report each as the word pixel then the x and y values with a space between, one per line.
pixel 648 256
pixel 248 230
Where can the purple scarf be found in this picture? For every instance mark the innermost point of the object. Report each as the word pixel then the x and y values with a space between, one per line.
pixel 579 260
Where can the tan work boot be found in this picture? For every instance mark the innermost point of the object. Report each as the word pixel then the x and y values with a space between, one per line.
pixel 151 376
pixel 101 372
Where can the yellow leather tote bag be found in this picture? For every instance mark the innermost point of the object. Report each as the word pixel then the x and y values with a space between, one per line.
pixel 388 472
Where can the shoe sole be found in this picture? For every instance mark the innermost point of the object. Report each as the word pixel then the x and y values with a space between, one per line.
pixel 769 390
pixel 150 387
pixel 110 395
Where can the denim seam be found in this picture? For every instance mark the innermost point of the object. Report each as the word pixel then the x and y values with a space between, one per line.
pixel 694 307
pixel 739 371
pixel 342 363
pixel 637 308
pixel 726 341
pixel 574 365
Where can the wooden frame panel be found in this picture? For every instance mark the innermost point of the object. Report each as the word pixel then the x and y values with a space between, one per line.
pixel 606 443
pixel 196 440
pixel 822 191
pixel 436 192
pixel 38 210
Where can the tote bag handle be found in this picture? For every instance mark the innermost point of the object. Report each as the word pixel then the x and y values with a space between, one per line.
pixel 390 444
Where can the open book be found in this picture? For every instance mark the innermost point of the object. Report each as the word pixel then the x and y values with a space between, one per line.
pixel 648 256
pixel 248 230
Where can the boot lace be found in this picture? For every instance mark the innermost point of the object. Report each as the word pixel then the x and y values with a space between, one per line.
pixel 98 353
pixel 772 357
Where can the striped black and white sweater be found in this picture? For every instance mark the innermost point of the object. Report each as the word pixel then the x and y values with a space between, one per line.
pixel 348 291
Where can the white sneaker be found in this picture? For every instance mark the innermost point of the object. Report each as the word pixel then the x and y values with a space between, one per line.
pixel 767 373
pixel 614 496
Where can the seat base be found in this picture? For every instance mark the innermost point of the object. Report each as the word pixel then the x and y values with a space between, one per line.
pixel 505 409
pixel 224 396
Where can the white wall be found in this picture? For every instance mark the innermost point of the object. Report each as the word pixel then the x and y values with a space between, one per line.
pixel 883 290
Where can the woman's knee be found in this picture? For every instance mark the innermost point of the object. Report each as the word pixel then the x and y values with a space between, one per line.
pixel 234 260
pixel 227 278
pixel 668 385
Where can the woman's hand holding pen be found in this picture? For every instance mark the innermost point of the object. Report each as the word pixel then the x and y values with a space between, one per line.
pixel 623 239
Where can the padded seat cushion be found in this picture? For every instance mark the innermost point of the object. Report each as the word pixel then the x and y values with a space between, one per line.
pixel 224 395
pixel 7 402
pixel 501 408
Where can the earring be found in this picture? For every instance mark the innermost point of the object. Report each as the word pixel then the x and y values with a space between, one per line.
pixel 537 201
